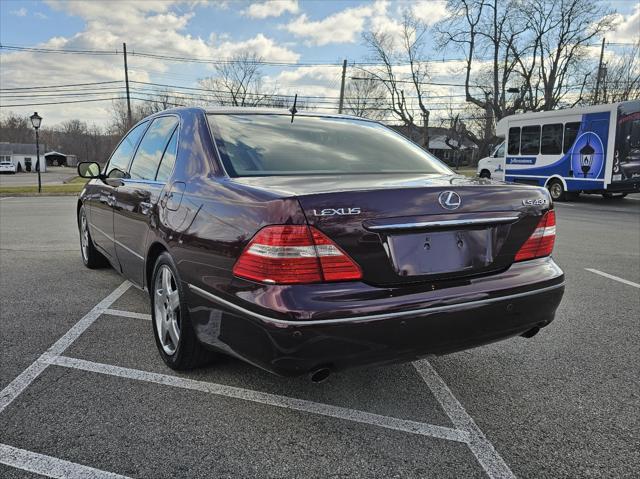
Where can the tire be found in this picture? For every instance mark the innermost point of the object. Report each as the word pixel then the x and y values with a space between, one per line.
pixel 556 190
pixel 91 257
pixel 613 196
pixel 172 328
pixel 485 174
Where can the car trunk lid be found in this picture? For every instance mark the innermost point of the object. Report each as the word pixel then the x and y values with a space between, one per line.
pixel 418 229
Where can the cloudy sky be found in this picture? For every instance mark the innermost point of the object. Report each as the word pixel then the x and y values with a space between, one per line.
pixel 291 31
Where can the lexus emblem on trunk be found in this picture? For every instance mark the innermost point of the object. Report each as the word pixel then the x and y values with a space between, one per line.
pixel 449 200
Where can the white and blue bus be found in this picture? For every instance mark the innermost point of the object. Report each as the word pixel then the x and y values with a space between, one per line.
pixel 594 149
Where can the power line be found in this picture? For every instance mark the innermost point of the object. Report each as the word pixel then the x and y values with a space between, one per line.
pixel 61 86
pixel 60 102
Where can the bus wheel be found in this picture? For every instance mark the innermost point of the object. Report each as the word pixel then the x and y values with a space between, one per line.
pixel 556 190
pixel 485 174
pixel 611 196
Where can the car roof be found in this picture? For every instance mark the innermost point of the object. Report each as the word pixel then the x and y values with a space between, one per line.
pixel 237 110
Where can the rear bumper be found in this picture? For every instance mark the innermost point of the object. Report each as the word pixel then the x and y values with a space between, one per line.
pixel 293 347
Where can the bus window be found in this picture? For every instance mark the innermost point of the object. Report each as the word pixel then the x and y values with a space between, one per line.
pixel 499 152
pixel 570 134
pixel 530 140
pixel 514 141
pixel 551 139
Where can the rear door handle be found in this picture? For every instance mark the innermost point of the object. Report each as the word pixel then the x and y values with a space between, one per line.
pixel 145 207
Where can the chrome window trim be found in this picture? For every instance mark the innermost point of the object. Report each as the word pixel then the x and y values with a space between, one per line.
pixel 371 317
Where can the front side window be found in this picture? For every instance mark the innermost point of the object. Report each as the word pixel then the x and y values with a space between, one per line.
pixel 514 141
pixel 270 144
pixel 119 160
pixel 530 140
pixel 570 133
pixel 551 139
pixel 499 153
pixel 147 160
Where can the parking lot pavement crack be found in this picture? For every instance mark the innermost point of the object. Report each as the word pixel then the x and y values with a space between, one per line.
pixel 404 425
pixel 482 449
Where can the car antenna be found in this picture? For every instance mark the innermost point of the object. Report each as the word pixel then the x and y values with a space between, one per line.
pixel 293 109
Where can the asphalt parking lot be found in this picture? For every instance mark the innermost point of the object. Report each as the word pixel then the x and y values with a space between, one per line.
pixel 84 393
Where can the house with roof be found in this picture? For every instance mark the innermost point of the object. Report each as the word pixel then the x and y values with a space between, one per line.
pixel 23 155
pixel 442 145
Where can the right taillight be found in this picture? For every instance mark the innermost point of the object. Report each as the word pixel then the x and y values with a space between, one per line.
pixel 294 254
pixel 540 243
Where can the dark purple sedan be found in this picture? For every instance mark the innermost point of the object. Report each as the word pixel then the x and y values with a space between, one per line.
pixel 313 243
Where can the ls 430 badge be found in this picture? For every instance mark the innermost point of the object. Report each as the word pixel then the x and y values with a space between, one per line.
pixel 537 202
pixel 337 211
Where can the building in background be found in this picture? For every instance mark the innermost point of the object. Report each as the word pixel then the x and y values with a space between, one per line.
pixel 55 158
pixel 23 155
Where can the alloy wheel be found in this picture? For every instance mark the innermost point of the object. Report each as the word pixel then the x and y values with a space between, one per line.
pixel 84 236
pixel 167 310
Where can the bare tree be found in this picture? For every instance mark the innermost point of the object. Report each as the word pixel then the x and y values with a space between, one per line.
pixel 396 79
pixel 622 76
pixel 238 81
pixel 366 98
pixel 563 31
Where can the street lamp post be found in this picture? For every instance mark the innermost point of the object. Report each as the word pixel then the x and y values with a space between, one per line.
pixel 35 121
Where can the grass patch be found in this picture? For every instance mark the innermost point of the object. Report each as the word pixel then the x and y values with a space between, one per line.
pixel 73 187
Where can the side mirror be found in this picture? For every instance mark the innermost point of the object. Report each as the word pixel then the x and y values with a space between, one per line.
pixel 89 169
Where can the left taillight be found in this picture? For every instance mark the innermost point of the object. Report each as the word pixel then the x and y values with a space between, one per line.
pixel 294 254
pixel 541 241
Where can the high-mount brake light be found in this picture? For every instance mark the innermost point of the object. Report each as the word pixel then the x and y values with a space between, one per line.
pixel 541 241
pixel 294 254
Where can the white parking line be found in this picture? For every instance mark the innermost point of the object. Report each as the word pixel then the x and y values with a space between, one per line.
pixel 127 314
pixel 50 466
pixel 404 425
pixel 615 278
pixel 20 383
pixel 482 449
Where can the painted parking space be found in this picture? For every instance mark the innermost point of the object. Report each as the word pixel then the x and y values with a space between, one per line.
pixel 96 399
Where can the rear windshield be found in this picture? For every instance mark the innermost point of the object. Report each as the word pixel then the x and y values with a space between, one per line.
pixel 270 145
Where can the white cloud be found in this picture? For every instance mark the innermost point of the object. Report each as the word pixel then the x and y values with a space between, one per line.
pixel 429 11
pixel 627 28
pixel 149 26
pixel 342 27
pixel 21 12
pixel 40 15
pixel 271 8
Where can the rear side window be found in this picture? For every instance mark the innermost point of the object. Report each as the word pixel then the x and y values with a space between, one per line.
pixel 147 160
pixel 551 139
pixel 530 140
pixel 168 159
pixel 514 141
pixel 570 134
pixel 121 156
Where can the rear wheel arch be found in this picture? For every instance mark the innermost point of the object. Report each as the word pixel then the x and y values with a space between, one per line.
pixel 155 250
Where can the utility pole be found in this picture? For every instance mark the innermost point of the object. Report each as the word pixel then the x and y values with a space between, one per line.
pixel 126 80
pixel 599 75
pixel 344 73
